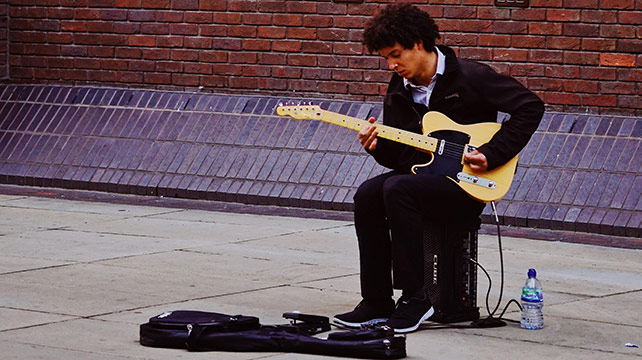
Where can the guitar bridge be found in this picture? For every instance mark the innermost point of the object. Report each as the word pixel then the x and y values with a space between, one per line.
pixel 476 180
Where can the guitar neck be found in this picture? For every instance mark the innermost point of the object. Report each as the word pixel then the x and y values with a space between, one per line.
pixel 386 132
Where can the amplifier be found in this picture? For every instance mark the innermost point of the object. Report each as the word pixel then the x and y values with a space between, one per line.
pixel 450 278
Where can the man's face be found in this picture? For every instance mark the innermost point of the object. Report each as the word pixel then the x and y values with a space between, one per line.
pixel 408 63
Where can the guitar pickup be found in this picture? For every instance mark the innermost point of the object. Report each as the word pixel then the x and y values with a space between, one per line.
pixel 476 180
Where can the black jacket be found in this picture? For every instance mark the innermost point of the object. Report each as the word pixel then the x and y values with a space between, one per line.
pixel 468 92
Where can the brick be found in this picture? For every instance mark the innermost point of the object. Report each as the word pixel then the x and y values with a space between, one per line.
pixel 597 73
pixel 626 188
pixel 227 44
pixel 582 220
pixel 213 56
pixel 599 16
pixel 184 4
pixel 509 216
pixel 581 86
pixel 573 188
pixel 598 188
pixel 617 60
pixel 198 17
pixel 620 224
pixel 126 28
pixel 287 19
pixel 586 189
pixel 617 31
pixel 510 55
pixel 562 15
pixel 599 44
pixel 307 7
pixel 632 201
pixel 546 56
pixel 563 43
pixel 557 221
pixel 562 71
pixel 626 17
pixel 563 181
pixel 271 32
pixel 492 13
pixel 222 69
pixel 608 221
pixel 629 74
pixel 599 100
pixel 183 29
pixel 242 31
pixel 562 98
pixel 629 45
pixel 571 218
pixel 214 5
pixel 581 58
pixel 142 40
pixel 617 4
pixel 528 41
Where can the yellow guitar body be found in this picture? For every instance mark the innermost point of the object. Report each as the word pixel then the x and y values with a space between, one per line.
pixel 480 134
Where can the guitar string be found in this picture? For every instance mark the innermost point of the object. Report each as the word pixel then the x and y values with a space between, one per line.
pixel 452 150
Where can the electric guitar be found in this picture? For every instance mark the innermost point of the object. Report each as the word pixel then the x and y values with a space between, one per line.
pixel 444 139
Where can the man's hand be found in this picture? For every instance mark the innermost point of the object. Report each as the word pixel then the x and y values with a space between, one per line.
pixel 368 135
pixel 476 160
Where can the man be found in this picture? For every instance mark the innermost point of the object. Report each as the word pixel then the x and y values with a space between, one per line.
pixel 390 208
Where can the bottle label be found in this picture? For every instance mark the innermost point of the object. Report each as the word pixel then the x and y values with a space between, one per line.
pixel 532 295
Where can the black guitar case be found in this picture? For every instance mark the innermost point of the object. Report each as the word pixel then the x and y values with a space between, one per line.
pixel 170 329
pixel 205 331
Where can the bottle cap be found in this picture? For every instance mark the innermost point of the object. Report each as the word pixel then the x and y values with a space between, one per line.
pixel 532 273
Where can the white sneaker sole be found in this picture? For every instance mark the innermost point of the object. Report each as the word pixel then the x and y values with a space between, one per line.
pixel 426 316
pixel 358 325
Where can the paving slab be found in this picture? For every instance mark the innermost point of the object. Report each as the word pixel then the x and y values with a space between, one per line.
pixel 79 278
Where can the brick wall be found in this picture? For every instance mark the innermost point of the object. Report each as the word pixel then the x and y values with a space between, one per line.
pixel 578 55
pixel 4 23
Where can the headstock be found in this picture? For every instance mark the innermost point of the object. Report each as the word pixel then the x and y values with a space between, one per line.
pixel 299 111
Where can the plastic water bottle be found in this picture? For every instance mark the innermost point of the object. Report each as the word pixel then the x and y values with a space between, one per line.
pixel 532 303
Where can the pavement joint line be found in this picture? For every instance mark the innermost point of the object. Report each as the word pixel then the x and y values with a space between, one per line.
pixel 542 343
pixel 75 263
pixel 185 300
pixel 95 316
pixel 326 278
pixel 73 318
pixel 595 321
pixel 588 297
pixel 291 233
pixel 36 311
pixel 69 349
pixel 112 233
pixel 38 269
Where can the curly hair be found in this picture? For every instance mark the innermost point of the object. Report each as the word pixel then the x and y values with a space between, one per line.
pixel 400 23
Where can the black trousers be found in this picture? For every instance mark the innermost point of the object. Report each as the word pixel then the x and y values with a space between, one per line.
pixel 389 211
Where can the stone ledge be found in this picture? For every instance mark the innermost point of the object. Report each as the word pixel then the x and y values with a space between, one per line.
pixel 578 173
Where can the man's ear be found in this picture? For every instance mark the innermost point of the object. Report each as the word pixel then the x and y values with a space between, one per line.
pixel 420 46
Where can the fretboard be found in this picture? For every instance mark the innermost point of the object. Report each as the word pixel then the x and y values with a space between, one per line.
pixel 386 132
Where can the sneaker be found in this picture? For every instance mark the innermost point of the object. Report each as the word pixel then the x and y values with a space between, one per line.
pixel 366 313
pixel 410 313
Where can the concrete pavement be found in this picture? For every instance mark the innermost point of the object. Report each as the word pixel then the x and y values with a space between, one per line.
pixel 78 277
